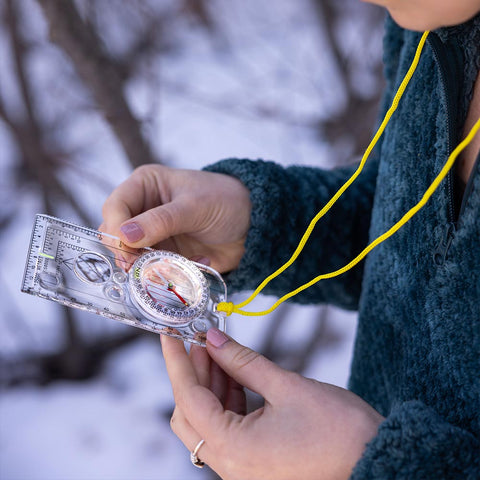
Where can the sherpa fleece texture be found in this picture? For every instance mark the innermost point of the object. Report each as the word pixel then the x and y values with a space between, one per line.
pixel 417 352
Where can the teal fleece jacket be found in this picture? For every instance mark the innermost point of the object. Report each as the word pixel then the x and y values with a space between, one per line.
pixel 417 350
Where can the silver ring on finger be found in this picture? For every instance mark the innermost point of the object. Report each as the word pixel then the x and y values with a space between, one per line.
pixel 193 455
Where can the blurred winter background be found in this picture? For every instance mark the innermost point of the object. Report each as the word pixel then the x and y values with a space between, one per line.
pixel 89 90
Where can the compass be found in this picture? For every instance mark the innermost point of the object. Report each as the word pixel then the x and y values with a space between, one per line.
pixel 168 288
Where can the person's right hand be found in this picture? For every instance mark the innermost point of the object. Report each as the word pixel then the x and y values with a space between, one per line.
pixel 201 215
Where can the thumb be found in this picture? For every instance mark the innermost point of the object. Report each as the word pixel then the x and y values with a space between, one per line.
pixel 156 225
pixel 244 365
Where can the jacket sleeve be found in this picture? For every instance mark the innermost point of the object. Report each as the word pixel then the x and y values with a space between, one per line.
pixel 284 200
pixel 415 443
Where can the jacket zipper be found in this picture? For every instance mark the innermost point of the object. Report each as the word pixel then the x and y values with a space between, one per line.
pixel 446 60
pixel 441 250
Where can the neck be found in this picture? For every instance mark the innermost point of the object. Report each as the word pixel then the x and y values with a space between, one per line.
pixel 469 155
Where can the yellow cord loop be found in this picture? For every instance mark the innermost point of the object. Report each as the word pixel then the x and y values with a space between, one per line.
pixel 229 307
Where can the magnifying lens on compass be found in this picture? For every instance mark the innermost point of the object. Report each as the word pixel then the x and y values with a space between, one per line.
pixel 168 287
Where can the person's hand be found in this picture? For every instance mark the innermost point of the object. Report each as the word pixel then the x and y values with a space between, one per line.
pixel 305 430
pixel 201 215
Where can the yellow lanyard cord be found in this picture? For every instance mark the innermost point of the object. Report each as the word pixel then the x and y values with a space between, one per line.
pixel 227 306
pixel 230 308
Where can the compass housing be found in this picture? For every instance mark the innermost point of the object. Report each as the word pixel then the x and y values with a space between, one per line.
pixel 168 288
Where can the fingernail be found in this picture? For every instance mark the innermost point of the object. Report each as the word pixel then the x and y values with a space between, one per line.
pixel 216 337
pixel 133 231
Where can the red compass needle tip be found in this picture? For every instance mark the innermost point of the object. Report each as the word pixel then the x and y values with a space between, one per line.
pixel 171 288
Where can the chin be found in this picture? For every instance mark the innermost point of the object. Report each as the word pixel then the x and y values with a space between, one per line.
pixel 416 23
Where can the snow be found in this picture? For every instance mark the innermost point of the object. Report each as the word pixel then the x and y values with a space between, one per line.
pixel 108 428
pixel 116 426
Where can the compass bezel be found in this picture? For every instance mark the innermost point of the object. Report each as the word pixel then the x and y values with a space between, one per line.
pixel 167 314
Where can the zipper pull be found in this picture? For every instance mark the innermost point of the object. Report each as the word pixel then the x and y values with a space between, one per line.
pixel 440 253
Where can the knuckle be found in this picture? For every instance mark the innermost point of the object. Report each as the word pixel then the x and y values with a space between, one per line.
pixel 105 207
pixel 293 380
pixel 244 357
pixel 105 211
pixel 143 170
pixel 108 206
pixel 162 220
pixel 174 421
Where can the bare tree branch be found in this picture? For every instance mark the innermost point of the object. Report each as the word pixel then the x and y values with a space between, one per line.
pixel 77 362
pixel 83 46
pixel 198 9
pixel 356 119
pixel 38 163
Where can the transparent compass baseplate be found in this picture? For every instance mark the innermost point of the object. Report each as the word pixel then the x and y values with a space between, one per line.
pixel 155 290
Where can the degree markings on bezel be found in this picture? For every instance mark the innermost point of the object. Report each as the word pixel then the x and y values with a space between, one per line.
pixel 168 287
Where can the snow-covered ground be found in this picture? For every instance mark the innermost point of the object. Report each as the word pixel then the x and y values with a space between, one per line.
pixel 116 426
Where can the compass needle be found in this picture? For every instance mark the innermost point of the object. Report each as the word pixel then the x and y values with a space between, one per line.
pixel 177 289
pixel 171 288
pixel 161 276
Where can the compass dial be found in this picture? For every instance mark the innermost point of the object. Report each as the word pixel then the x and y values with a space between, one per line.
pixel 168 288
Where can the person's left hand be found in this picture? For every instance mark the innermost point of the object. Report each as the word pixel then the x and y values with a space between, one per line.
pixel 306 429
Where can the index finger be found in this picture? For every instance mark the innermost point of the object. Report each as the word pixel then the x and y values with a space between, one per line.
pixel 200 406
